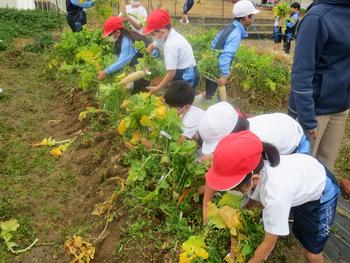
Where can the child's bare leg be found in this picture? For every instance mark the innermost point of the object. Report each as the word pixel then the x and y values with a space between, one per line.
pixel 313 258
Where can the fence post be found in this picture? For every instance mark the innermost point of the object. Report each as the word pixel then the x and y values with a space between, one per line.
pixel 175 13
pixel 59 16
pixel 222 12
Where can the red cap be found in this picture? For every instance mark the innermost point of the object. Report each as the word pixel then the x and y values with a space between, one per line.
pixel 157 20
pixel 112 24
pixel 235 156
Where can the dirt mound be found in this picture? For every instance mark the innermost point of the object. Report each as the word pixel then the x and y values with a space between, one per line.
pixel 55 196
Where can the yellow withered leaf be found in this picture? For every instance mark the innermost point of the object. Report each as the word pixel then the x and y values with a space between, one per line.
pixel 187 257
pixel 125 104
pixel 194 247
pixel 57 151
pixel 129 145
pixel 79 250
pixel 122 126
pixel 161 112
pixel 159 101
pixel 214 217
pixel 44 142
pixel 231 217
pixel 145 95
pixel 135 137
pixel 146 121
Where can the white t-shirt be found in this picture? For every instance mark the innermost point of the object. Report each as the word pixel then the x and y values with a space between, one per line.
pixel 178 53
pixel 139 14
pixel 278 129
pixel 298 179
pixel 190 121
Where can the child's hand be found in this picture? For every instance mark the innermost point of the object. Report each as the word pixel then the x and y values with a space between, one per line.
pixel 204 216
pixel 153 90
pixel 102 75
pixel 222 81
pixel 125 18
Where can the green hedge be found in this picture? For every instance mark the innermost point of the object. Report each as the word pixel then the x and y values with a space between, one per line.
pixel 24 23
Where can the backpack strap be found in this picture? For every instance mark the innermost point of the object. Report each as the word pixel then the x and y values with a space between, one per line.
pixel 224 35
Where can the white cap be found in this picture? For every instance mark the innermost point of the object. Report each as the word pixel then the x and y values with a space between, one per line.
pixel 244 8
pixel 217 122
pixel 135 2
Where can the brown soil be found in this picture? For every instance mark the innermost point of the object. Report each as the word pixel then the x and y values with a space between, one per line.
pixel 91 161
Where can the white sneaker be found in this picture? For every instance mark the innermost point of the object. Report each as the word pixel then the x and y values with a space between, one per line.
pixel 200 99
pixel 202 102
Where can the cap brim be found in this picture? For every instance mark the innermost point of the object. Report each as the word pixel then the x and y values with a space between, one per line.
pixel 255 11
pixel 209 148
pixel 222 183
pixel 147 30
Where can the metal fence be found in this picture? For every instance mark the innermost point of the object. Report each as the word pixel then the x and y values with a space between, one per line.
pixel 44 5
pixel 47 5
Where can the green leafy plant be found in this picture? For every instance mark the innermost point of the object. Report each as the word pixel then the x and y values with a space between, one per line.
pixel 41 42
pixel 201 42
pixel 154 65
pixel 282 10
pixel 209 64
pixel 146 116
pixel 7 230
pixel 85 53
pixel 260 72
pixel 24 23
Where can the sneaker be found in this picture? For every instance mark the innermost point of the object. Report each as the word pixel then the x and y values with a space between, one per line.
pixel 200 99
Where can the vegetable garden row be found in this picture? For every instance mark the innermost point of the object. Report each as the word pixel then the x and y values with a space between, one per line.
pixel 161 189
pixel 164 176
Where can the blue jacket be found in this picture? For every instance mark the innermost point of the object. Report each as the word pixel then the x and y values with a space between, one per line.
pixel 127 53
pixel 293 20
pixel 85 4
pixel 231 46
pixel 321 68
pixel 74 7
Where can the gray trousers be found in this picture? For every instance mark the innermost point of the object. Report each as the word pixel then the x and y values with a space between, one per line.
pixel 330 132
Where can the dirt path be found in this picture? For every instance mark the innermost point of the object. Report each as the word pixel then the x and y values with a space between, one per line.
pixel 52 200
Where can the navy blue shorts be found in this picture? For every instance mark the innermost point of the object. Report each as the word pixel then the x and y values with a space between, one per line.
pixel 188 75
pixel 312 223
pixel 187 6
pixel 277 34
pixel 76 21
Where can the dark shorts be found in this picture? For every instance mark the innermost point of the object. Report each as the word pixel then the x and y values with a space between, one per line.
pixel 187 6
pixel 313 222
pixel 277 34
pixel 288 37
pixel 189 75
pixel 76 21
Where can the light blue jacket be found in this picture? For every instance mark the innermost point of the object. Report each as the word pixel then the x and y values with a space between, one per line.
pixel 293 20
pixel 127 53
pixel 85 4
pixel 231 46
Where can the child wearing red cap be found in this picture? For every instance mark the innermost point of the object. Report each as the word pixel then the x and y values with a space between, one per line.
pixel 123 41
pixel 178 54
pixel 297 183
